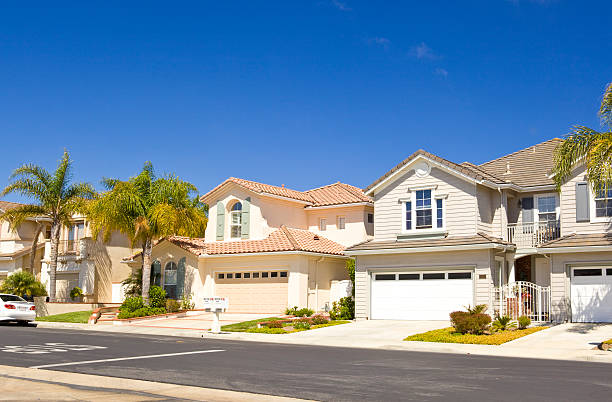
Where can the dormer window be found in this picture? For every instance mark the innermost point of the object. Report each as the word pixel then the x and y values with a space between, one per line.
pixel 236 221
pixel 423 210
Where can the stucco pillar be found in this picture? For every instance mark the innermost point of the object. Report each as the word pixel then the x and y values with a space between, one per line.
pixel 511 271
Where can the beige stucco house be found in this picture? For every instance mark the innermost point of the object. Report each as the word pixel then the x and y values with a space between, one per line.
pixel 448 235
pixel 94 266
pixel 267 247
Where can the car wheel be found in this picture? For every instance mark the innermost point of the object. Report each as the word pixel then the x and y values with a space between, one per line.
pixel 23 323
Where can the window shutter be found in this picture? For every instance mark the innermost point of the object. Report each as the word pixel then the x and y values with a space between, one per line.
pixel 180 278
pixel 220 221
pixel 582 202
pixel 246 206
pixel 156 273
pixel 527 206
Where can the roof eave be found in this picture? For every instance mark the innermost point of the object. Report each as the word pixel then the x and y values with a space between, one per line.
pixel 429 249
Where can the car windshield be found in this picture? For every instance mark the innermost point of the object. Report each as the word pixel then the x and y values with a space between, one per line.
pixel 11 298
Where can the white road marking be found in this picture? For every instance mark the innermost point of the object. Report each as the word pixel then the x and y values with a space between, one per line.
pixel 127 358
pixel 47 348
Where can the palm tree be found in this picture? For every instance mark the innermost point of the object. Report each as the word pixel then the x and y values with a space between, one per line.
pixel 57 199
pixel 591 146
pixel 146 208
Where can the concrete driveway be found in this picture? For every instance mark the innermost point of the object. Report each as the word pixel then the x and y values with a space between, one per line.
pixel 573 336
pixel 370 333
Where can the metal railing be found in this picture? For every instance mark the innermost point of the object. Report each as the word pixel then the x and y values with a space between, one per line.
pixel 521 298
pixel 532 234
pixel 68 247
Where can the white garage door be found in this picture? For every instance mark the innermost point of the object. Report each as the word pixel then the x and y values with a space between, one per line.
pixel 591 294
pixel 263 292
pixel 420 295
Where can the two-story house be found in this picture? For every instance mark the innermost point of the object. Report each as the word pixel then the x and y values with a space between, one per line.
pixel 93 266
pixel 449 235
pixel 267 247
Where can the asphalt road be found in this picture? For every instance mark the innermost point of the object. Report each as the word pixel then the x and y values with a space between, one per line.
pixel 308 372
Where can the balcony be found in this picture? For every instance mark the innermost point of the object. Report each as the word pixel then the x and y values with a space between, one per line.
pixel 530 235
pixel 68 247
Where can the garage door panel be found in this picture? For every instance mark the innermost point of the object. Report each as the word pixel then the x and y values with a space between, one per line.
pixel 423 299
pixel 591 295
pixel 254 297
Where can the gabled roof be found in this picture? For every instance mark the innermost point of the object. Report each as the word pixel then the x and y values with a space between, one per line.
pixel 447 241
pixel 580 240
pixel 332 194
pixel 282 239
pixel 7 205
pixel 528 167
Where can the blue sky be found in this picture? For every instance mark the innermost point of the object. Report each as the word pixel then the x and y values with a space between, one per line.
pixel 297 93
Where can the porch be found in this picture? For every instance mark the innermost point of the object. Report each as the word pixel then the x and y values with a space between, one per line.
pixel 531 235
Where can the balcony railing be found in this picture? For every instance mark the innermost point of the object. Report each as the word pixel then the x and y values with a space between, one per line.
pixel 70 247
pixel 528 235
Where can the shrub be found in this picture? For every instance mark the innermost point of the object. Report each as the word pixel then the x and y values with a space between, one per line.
pixel 299 312
pixel 318 320
pixel 186 303
pixel 172 306
pixel 503 323
pixel 133 284
pixel 76 292
pixel 303 323
pixel 141 312
pixel 266 330
pixel 524 322
pixel 131 304
pixel 467 323
pixel 344 309
pixel 478 309
pixel 350 270
pixel 23 284
pixel 157 297
pixel 275 324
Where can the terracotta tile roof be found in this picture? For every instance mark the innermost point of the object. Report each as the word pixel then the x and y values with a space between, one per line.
pixel 332 194
pixel 527 167
pixel 6 205
pixel 467 170
pixel 283 239
pixel 479 238
pixel 580 240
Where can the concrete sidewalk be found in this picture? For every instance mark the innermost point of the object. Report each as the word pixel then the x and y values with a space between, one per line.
pixel 561 342
pixel 26 384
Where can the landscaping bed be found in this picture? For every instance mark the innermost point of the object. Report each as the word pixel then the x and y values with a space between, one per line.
pixel 278 325
pixel 289 327
pixel 449 335
pixel 79 317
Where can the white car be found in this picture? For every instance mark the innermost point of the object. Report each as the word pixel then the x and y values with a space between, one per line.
pixel 14 308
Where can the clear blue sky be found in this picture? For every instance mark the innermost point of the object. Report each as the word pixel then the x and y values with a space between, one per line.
pixel 302 93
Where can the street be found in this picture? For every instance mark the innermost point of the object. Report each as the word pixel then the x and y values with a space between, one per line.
pixel 308 372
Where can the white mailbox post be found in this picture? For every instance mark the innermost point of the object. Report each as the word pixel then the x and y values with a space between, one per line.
pixel 216 305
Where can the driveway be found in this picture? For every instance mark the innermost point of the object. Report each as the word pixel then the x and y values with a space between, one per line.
pixel 574 336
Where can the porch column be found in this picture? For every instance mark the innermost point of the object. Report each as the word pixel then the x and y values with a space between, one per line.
pixel 511 271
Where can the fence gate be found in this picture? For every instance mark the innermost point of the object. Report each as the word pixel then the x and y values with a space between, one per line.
pixel 521 298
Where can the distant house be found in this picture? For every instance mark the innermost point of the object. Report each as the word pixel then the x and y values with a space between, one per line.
pixel 448 235
pixel 267 247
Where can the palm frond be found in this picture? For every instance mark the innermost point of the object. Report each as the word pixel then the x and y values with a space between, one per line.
pixel 32 171
pixel 16 216
pixel 27 187
pixel 605 111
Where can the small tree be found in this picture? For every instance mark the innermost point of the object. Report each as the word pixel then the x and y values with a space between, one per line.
pixel 23 283
pixel 350 269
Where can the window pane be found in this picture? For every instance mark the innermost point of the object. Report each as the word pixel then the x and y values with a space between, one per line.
pixel 229 276
pixel 238 275
pixel 603 208
pixel 459 275
pixel 439 222
pixel 322 224
pixel 409 277
pixel 170 274
pixel 283 274
pixel 255 275
pixel 423 218
pixel 370 218
pixel 237 207
pixel 423 199
pixel 221 276
pixel 384 277
pixel 433 276
pixel 273 274
pixel 587 272
pixel 236 231
pixel 247 275
pixel 547 204
pixel 236 218
pixel 408 216
pixel 341 222
pixel 264 274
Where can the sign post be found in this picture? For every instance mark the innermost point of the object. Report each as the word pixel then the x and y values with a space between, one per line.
pixel 216 305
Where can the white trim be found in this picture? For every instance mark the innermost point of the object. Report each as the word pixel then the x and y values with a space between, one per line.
pixel 592 209
pixel 424 187
pixel 434 213
pixel 536 197
pixel 409 250
pixel 355 204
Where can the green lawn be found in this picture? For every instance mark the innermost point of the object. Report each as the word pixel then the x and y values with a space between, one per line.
pixel 448 335
pixel 245 325
pixel 80 317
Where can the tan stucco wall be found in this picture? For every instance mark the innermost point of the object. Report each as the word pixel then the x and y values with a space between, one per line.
pixel 480 260
pixel 109 269
pixel 355 229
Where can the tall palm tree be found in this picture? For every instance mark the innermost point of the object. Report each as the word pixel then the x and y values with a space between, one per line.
pixel 146 208
pixel 591 146
pixel 56 199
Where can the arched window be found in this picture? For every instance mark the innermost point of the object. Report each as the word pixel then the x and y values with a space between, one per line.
pixel 236 221
pixel 170 280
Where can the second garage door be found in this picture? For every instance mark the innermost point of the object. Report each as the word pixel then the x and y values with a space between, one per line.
pixel 253 292
pixel 420 295
pixel 591 294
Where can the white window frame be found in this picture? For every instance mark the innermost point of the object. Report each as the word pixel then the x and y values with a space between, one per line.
pixel 593 210
pixel 435 195
pixel 338 219
pixel 536 209
pixel 231 220
pixel 322 224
